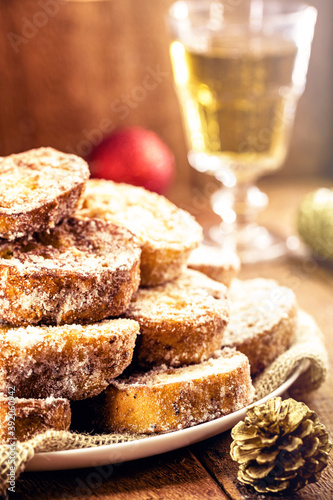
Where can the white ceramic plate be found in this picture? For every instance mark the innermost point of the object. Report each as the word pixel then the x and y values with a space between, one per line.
pixel 123 452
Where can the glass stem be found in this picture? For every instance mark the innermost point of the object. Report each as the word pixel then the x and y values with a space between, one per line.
pixel 249 201
pixel 238 208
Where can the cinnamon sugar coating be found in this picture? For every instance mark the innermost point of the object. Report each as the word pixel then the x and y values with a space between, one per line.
pixel 166 233
pixel 168 399
pixel 263 320
pixel 181 322
pixel 38 189
pixel 72 361
pixel 219 264
pixel 81 271
pixel 32 416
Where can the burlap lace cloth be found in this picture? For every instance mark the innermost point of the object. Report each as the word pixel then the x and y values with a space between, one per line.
pixel 308 346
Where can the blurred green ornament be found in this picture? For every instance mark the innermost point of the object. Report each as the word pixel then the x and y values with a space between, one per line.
pixel 280 447
pixel 315 222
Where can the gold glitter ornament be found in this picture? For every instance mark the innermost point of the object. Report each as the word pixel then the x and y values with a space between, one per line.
pixel 280 446
pixel 315 222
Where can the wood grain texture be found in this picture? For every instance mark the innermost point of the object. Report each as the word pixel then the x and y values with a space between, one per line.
pixel 75 75
pixel 59 86
pixel 172 476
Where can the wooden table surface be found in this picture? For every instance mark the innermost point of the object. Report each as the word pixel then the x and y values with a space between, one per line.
pixel 205 470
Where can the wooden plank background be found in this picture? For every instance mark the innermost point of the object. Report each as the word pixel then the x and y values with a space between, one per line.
pixel 71 71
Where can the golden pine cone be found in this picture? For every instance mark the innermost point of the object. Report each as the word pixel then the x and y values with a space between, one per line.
pixel 280 446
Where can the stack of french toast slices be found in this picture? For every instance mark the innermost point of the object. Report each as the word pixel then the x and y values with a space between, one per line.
pixel 113 316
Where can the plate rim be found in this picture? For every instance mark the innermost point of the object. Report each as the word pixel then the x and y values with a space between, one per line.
pixel 150 446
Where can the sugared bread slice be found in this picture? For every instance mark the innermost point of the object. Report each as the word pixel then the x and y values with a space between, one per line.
pixel 166 233
pixel 263 320
pixel 219 264
pixel 38 189
pixel 79 272
pixel 72 361
pixel 181 322
pixel 168 399
pixel 24 418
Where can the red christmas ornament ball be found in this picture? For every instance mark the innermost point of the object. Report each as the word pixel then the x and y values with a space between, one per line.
pixel 136 156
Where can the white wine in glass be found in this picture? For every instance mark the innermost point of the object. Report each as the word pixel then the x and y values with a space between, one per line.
pixel 239 70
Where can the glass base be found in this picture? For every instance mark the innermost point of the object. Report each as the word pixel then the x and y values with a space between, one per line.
pixel 253 243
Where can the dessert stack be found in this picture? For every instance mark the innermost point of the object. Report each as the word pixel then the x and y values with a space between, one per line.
pixel 99 312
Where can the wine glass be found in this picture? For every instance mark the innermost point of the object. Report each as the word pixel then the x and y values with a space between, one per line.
pixel 240 67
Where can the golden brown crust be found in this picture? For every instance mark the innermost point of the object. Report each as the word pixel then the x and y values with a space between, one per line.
pixel 38 189
pixel 166 233
pixel 82 271
pixel 31 417
pixel 218 264
pixel 263 320
pixel 168 399
pixel 181 322
pixel 72 361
